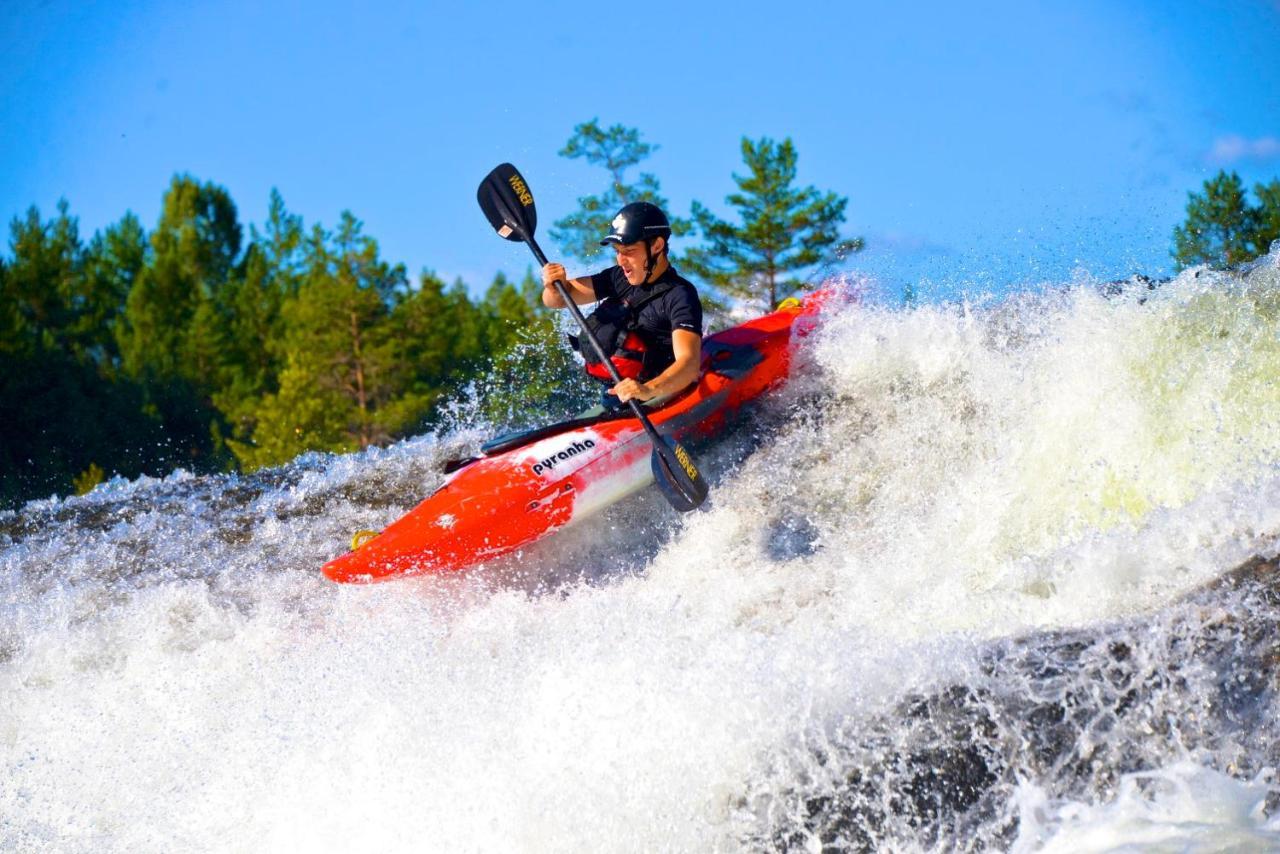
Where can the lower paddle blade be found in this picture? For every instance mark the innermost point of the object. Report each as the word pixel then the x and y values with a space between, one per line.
pixel 507 202
pixel 678 476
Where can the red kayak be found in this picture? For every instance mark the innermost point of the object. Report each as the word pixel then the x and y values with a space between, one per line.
pixel 527 485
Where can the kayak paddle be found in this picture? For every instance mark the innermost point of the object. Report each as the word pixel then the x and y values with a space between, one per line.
pixel 507 202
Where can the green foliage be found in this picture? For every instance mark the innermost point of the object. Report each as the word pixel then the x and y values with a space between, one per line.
pixel 282 244
pixel 1267 216
pixel 140 352
pixel 61 405
pixel 88 479
pixel 617 149
pixel 194 247
pixel 248 365
pixel 42 283
pixel 112 263
pixel 251 304
pixel 783 229
pixel 1222 228
pixel 173 331
pixel 439 335
pixel 341 385
pixel 58 415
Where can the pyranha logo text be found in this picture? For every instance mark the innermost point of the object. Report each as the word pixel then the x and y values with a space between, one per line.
pixel 547 464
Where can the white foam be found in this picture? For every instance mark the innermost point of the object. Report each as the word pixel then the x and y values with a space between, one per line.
pixel 179 675
pixel 1183 807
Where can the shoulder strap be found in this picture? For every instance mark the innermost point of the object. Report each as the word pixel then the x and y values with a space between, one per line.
pixel 649 297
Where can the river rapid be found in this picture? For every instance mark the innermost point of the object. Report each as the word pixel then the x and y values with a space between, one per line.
pixel 981 577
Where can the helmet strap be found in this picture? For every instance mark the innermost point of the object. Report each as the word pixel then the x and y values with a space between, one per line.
pixel 649 260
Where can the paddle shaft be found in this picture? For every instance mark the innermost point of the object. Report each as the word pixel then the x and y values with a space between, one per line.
pixel 563 290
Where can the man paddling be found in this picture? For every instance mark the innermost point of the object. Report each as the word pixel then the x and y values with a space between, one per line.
pixel 649 321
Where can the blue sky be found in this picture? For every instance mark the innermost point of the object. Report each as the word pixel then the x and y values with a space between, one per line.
pixel 981 146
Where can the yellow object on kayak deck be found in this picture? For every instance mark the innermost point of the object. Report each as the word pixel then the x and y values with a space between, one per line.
pixel 359 538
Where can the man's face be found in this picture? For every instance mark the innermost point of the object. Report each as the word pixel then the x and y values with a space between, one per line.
pixel 631 259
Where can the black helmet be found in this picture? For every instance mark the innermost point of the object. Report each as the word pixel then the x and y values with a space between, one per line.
pixel 637 221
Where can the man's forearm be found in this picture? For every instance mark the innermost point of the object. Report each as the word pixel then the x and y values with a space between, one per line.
pixel 674 378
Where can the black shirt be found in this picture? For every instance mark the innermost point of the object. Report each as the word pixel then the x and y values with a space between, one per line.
pixel 678 308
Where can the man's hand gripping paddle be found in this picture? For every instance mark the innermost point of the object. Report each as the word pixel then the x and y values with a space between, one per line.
pixel 507 201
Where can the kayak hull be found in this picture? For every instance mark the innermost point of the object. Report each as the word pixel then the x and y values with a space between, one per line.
pixel 523 491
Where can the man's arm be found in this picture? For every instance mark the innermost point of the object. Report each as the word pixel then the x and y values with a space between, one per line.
pixel 687 347
pixel 580 290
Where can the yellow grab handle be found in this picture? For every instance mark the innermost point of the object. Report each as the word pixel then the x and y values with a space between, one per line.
pixel 359 538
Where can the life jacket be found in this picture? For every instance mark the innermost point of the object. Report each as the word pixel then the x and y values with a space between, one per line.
pixel 615 324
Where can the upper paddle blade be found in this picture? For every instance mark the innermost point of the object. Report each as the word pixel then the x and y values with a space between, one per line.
pixel 678 477
pixel 505 198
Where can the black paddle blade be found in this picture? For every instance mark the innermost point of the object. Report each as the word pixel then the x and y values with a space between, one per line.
pixel 678 476
pixel 505 198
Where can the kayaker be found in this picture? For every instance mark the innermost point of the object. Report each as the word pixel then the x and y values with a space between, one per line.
pixel 649 317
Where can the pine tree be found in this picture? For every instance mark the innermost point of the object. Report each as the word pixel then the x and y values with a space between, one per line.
pixel 442 336
pixel 1222 228
pixel 509 312
pixel 470 332
pixel 250 307
pixel 113 261
pixel 282 243
pixel 617 149
pixel 1219 227
pixel 342 385
pixel 42 282
pixel 784 229
pixel 1267 221
pixel 194 248
pixel 249 365
pixel 62 408
pixel 171 335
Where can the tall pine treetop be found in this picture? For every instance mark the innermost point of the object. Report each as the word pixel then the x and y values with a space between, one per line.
pixel 617 149
pixel 1222 228
pixel 783 229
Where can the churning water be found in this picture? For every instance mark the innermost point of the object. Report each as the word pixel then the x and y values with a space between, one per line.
pixel 994 577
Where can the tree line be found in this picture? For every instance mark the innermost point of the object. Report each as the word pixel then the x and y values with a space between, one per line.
pixel 196 346
pixel 203 345
pixel 200 345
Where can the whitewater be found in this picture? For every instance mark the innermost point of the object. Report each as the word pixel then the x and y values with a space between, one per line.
pixel 983 576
